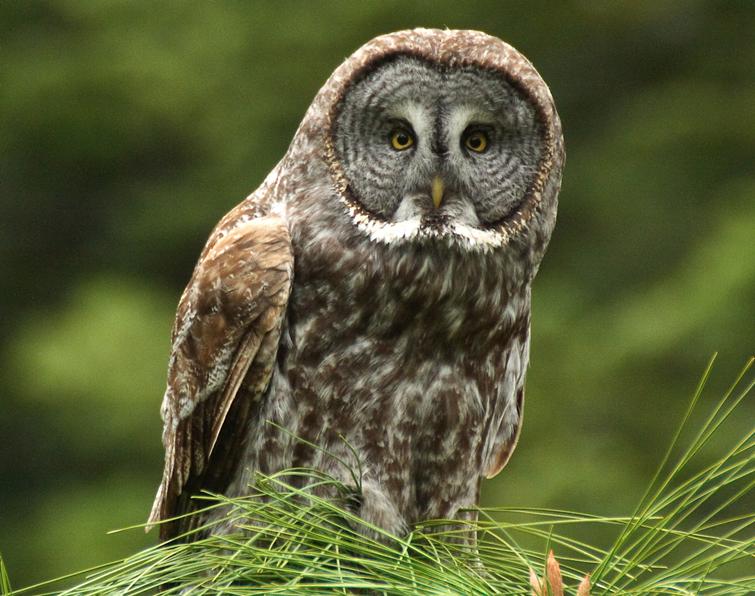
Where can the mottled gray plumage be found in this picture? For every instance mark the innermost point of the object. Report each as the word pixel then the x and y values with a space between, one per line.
pixel 375 288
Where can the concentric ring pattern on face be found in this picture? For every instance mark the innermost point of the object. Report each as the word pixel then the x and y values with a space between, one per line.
pixel 468 127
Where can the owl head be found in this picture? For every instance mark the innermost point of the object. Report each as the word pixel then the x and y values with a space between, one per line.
pixel 441 135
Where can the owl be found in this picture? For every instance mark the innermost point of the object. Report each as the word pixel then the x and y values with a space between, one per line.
pixel 368 306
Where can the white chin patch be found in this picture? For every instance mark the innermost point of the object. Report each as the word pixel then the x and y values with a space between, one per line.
pixel 412 229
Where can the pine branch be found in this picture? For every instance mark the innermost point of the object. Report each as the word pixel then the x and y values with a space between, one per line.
pixel 687 536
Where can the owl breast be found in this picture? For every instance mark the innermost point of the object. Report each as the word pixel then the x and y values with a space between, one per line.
pixel 404 364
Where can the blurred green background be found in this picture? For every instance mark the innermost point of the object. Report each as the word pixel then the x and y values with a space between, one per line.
pixel 127 128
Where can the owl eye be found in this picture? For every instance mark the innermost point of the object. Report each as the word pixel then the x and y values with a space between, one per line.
pixel 476 140
pixel 401 139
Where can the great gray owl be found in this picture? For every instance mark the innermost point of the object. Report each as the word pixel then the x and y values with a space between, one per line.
pixel 372 296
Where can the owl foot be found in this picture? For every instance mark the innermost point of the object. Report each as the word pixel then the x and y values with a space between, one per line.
pixel 552 584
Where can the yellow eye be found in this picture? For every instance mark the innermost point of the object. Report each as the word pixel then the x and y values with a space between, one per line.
pixel 476 141
pixel 401 139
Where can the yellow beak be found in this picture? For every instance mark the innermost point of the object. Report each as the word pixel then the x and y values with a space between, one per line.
pixel 437 191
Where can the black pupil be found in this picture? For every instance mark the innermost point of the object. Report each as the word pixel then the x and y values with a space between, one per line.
pixel 402 138
pixel 475 142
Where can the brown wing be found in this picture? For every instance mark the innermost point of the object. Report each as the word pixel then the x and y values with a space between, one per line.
pixel 226 332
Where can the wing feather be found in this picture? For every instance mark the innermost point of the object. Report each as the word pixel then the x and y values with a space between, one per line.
pixel 226 334
pixel 505 419
pixel 507 436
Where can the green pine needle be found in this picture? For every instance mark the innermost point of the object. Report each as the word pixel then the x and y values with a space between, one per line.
pixel 4 579
pixel 688 535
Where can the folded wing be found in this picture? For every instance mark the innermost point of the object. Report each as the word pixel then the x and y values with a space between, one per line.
pixel 225 341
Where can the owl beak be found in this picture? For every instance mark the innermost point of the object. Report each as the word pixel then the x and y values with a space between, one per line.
pixel 437 191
